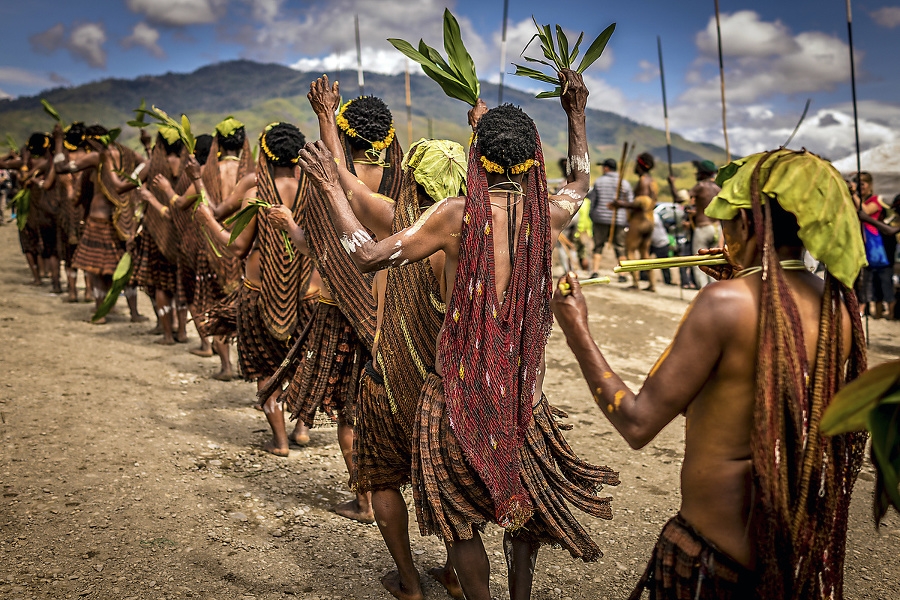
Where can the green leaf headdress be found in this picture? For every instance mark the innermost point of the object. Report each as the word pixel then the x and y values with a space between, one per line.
pixel 228 126
pixel 561 59
pixel 168 127
pixel 456 75
pixel 439 166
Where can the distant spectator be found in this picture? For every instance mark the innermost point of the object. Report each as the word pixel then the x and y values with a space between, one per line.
pixel 601 196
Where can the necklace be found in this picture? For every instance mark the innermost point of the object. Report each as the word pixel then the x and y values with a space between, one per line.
pixel 792 264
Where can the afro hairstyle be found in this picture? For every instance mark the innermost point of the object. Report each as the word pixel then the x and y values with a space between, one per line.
pixel 506 136
pixel 76 135
pixel 39 144
pixel 284 142
pixel 370 117
pixel 645 162
pixel 95 131
pixel 234 141
pixel 202 147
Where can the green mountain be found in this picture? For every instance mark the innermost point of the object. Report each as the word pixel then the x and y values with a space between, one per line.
pixel 259 94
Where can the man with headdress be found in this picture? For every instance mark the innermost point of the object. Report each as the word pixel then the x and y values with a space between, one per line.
pixel 486 446
pixel 640 216
pixel 754 363
pixel 271 304
pixel 74 198
pixel 705 231
pixel 341 340
pixel 110 223
pixel 156 261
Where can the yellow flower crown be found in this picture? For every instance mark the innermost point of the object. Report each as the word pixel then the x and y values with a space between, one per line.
pixel 265 148
pixel 344 125
pixel 493 167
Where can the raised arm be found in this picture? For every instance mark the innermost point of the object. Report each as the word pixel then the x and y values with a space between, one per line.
pixel 150 198
pixel 176 201
pixel 376 210
pixel 675 379
pixel 426 236
pixel 566 203
pixel 281 218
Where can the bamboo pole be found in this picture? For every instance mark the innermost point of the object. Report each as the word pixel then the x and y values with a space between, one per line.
pixel 503 50
pixel 566 289
pixel 409 133
pixel 612 226
pixel 627 266
pixel 359 68
pixel 722 84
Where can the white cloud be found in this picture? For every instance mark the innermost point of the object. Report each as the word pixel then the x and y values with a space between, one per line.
pixel 17 76
pixel 146 37
pixel 649 71
pixel 519 34
pixel 743 34
pixel 373 61
pixel 4 95
pixel 179 13
pixel 85 42
pixel 889 16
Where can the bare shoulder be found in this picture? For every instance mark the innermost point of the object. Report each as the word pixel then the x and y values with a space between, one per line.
pixel 727 307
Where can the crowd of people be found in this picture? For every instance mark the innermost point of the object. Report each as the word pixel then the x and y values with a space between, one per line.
pixel 408 298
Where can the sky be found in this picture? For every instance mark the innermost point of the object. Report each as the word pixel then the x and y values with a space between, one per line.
pixel 776 54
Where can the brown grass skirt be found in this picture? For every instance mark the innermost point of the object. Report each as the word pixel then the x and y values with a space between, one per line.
pixel 221 318
pixel 99 250
pixel 452 500
pixel 687 566
pixel 153 270
pixel 259 354
pixel 30 240
pixel 328 380
pixel 382 443
pixel 185 281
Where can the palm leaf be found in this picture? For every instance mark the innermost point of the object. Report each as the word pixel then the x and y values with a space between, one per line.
pixel 596 48
pixel 563 43
pixel 22 202
pixel 121 277
pixel 139 122
pixel 11 143
pixel 849 409
pixel 574 53
pixel 51 111
pixel 534 74
pixel 457 55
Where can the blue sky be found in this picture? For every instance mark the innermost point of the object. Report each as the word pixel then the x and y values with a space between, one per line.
pixel 777 54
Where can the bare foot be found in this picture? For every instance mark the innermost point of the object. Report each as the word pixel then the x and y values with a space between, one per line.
pixel 392 583
pixel 36 282
pixel 57 289
pixel 71 299
pixel 650 289
pixel 224 376
pixel 181 339
pixel 100 321
pixel 633 287
pixel 155 331
pixel 204 352
pixel 271 448
pixel 447 578
pixel 139 318
pixel 300 435
pixel 351 510
pixel 165 342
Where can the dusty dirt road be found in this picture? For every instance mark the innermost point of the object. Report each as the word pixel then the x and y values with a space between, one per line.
pixel 128 474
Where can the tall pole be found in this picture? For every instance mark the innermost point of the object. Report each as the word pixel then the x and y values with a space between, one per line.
pixel 662 79
pixel 359 69
pixel 503 50
pixel 722 84
pixel 408 109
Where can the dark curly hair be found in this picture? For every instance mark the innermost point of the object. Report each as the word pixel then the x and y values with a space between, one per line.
pixel 174 148
pixel 371 119
pixel 39 144
pixel 76 135
pixel 232 141
pixel 506 136
pixel 645 162
pixel 282 143
pixel 95 131
pixel 202 147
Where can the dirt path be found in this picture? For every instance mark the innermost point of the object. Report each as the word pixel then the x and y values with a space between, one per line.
pixel 128 474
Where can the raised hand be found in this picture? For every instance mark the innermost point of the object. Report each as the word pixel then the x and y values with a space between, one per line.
pixel 161 183
pixel 575 94
pixel 324 100
pixel 319 164
pixel 476 112
pixel 192 168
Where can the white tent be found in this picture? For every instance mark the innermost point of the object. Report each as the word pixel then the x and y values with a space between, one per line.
pixel 883 162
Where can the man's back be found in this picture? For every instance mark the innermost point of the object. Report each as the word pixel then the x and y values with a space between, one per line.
pixel 604 192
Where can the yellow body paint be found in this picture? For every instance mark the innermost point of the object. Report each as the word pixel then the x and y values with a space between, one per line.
pixel 617 399
pixel 607 375
pixel 668 349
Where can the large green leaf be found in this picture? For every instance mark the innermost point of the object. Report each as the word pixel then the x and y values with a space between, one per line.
pixel 563 43
pixel 121 277
pixel 11 143
pixel 457 55
pixel 22 202
pixel 850 407
pixel 596 48
pixel 884 424
pixel 51 111
pixel 574 53
pixel 534 74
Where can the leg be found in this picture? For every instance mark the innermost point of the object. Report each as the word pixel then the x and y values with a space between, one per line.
pixel 100 285
pixel 53 263
pixel 645 253
pixel 392 517
pixel 472 567
pixel 359 509
pixel 181 334
pixel 300 435
pixel 164 313
pixel 33 266
pixel 131 298
pixel 226 373
pixel 71 283
pixel 446 576
pixel 521 557
pixel 278 445
pixel 205 348
pixel 88 287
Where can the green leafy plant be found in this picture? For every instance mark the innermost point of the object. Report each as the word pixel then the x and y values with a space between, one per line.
pixel 559 56
pixel 51 111
pixel 22 203
pixel 242 218
pixel 183 127
pixel 872 402
pixel 109 137
pixel 11 143
pixel 456 75
pixel 139 122
pixel 121 277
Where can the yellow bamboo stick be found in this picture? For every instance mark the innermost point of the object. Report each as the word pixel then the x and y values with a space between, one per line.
pixel 628 266
pixel 566 289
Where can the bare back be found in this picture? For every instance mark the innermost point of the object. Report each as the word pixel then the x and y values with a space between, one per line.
pixel 228 171
pixel 703 193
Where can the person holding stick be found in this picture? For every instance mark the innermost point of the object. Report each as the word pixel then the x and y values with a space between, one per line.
pixel 705 229
pixel 765 496
pixel 605 217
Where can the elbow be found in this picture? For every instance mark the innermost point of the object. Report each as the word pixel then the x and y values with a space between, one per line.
pixel 638 434
pixel 364 261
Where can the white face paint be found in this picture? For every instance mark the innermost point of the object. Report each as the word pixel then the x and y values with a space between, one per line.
pixel 356 240
pixel 582 164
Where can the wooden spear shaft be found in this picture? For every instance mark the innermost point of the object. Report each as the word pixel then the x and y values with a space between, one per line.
pixel 612 226
pixel 722 84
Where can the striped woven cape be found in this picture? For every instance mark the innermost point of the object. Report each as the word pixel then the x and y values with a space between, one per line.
pixel 162 230
pixel 124 213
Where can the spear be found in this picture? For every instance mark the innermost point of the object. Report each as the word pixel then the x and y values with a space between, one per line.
pixel 408 108
pixel 503 50
pixel 612 227
pixel 359 69
pixel 855 118
pixel 722 83
pixel 662 79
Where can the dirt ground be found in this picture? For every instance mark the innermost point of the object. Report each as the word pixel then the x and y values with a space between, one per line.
pixel 128 473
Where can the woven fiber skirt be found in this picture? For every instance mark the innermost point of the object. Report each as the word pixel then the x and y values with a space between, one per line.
pixel 259 353
pixel 99 250
pixel 329 378
pixel 452 500
pixel 153 270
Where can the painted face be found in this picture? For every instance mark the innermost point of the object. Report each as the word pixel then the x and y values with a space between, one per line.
pixel 735 237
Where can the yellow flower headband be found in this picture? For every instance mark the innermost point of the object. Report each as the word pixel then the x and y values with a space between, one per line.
pixel 493 167
pixel 265 147
pixel 344 125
